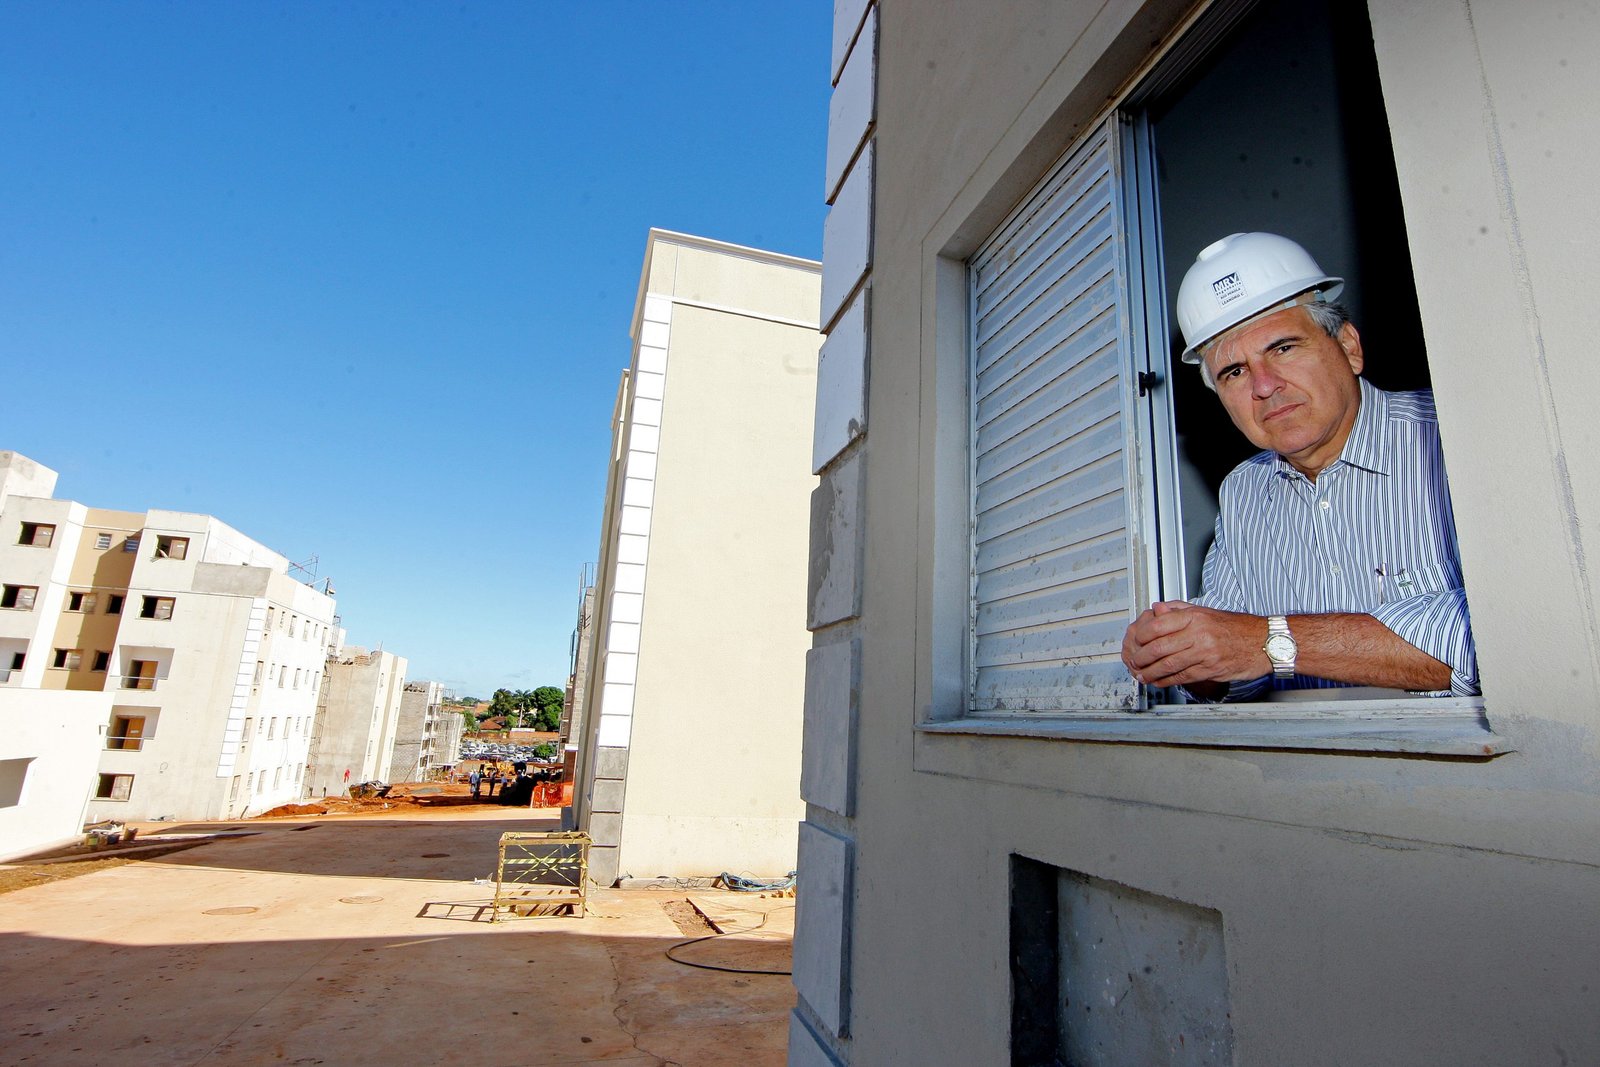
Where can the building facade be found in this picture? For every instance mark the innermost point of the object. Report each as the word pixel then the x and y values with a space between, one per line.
pixel 1012 463
pixel 426 737
pixel 690 719
pixel 49 752
pixel 358 716
pixel 210 650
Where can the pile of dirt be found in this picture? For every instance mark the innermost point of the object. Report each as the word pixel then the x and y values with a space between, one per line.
pixel 407 796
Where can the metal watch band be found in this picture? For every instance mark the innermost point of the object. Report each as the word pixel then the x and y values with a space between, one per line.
pixel 1278 626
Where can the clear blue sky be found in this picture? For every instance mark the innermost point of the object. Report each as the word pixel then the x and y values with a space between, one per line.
pixel 356 278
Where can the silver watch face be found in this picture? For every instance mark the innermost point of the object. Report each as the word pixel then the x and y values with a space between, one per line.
pixel 1280 648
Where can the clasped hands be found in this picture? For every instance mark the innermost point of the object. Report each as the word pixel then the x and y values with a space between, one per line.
pixel 1178 643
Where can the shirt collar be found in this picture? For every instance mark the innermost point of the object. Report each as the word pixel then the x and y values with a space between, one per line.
pixel 1364 447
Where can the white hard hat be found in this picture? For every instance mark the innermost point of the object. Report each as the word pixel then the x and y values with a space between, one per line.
pixel 1241 276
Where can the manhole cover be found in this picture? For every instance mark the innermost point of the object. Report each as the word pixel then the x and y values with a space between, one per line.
pixel 242 909
pixel 357 900
pixel 435 855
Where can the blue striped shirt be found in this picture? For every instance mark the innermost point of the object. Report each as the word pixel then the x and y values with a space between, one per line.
pixel 1374 534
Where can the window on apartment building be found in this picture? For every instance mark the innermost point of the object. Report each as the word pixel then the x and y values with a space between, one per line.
pixel 283 674
pixel 102 660
pixel 141 674
pixel 37 534
pixel 269 618
pixel 272 728
pixel 130 544
pixel 114 603
pixel 292 620
pixel 244 735
pixel 1096 454
pixel 20 597
pixel 256 678
pixel 168 547
pixel 18 659
pixel 67 659
pixel 299 773
pixel 233 791
pixel 277 776
pixel 13 780
pixel 102 541
pixel 261 782
pixel 296 683
pixel 250 782
pixel 114 787
pixel 127 732
pixel 83 602
pixel 156 607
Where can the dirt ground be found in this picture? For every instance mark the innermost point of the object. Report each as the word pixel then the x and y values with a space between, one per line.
pixel 364 941
pixel 73 861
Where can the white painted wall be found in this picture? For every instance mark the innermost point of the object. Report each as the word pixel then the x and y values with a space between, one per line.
pixel 51 741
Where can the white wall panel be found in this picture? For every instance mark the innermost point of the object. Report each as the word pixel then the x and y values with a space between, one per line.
pixel 841 384
pixel 847 238
pixel 850 109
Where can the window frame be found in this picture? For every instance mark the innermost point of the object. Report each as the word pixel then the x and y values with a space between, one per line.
pixel 102 542
pixel 14 593
pixel 109 786
pixel 28 536
pixel 171 546
pixel 151 607
pixel 1428 726
pixel 66 659
pixel 121 742
pixel 81 602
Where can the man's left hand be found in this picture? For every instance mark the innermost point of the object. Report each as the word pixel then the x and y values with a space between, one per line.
pixel 1178 643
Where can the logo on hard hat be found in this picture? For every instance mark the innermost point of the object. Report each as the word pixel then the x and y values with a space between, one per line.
pixel 1228 288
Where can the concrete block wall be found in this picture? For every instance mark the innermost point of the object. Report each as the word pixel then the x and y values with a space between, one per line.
pixel 819 1032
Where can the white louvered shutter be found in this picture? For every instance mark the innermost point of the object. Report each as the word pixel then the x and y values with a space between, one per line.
pixel 1052 552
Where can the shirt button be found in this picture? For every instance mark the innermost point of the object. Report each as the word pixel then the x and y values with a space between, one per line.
pixel 1335 569
pixel 1326 505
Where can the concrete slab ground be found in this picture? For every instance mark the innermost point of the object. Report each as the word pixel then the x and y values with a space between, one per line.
pixel 365 940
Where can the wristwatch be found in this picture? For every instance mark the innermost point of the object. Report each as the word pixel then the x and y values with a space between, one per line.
pixel 1280 647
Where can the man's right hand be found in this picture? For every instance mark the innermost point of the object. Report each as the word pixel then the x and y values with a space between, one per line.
pixel 1179 643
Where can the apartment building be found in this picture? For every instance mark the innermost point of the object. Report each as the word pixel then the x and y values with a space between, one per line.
pixel 426 737
pixel 358 715
pixel 702 571
pixel 1016 852
pixel 209 651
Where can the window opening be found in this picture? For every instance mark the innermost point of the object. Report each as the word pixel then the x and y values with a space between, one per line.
pixel 102 661
pixel 127 733
pixel 141 674
pixel 1072 337
pixel 102 541
pixel 114 603
pixel 130 545
pixel 156 607
pixel 114 787
pixel 83 602
pixel 67 659
pixel 171 547
pixel 20 597
pixel 37 534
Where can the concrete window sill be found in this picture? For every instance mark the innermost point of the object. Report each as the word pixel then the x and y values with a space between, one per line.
pixel 1449 727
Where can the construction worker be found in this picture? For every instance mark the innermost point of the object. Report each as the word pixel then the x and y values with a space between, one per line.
pixel 1334 561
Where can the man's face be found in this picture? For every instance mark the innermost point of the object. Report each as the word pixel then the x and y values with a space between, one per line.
pixel 1288 386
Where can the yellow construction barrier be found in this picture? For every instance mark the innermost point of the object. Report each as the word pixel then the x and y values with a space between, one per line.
pixel 542 874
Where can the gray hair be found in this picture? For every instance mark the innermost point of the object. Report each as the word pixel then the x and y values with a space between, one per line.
pixel 1330 317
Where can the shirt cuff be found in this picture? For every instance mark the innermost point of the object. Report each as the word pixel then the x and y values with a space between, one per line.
pixel 1438 624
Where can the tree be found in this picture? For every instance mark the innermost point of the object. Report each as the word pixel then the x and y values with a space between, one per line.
pixel 547 701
